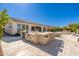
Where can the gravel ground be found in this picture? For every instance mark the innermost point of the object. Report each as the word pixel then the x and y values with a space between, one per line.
pixel 62 46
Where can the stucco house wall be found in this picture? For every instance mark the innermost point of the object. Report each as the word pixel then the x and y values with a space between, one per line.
pixel 12 26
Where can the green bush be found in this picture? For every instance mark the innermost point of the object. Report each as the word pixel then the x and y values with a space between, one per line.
pixel 3 20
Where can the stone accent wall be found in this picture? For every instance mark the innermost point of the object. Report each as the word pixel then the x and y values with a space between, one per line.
pixel 39 38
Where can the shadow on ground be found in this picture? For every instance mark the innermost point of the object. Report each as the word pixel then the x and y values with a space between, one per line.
pixel 53 48
pixel 9 39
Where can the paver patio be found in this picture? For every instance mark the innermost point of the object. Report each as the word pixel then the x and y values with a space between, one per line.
pixel 16 46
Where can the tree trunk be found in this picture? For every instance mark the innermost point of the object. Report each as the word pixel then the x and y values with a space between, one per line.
pixel 1 52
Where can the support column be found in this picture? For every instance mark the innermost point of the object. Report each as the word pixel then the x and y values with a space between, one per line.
pixel 25 27
pixel 42 29
pixel 21 30
pixel 29 28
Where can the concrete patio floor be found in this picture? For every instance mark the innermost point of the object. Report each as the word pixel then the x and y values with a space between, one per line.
pixel 16 46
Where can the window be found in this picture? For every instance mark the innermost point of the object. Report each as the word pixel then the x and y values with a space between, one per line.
pixel 18 25
pixel 10 26
pixel 18 28
pixel 23 27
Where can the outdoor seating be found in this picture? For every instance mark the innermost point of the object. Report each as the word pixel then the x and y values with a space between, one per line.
pixel 39 38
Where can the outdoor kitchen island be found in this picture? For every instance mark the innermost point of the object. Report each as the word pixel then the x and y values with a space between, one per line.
pixel 39 37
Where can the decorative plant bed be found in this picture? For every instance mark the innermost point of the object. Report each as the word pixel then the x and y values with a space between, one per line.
pixel 39 37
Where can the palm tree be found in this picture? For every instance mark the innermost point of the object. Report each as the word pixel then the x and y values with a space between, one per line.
pixel 3 20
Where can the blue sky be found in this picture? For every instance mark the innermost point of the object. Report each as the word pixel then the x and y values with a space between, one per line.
pixel 52 14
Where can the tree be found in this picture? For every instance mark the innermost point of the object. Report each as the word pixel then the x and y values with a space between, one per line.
pixel 4 17
pixel 54 29
pixel 73 27
pixel 64 28
pixel 3 20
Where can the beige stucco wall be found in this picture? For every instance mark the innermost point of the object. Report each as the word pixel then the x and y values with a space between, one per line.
pixel 30 25
pixel 8 29
pixel 13 24
pixel 14 28
pixel 11 27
